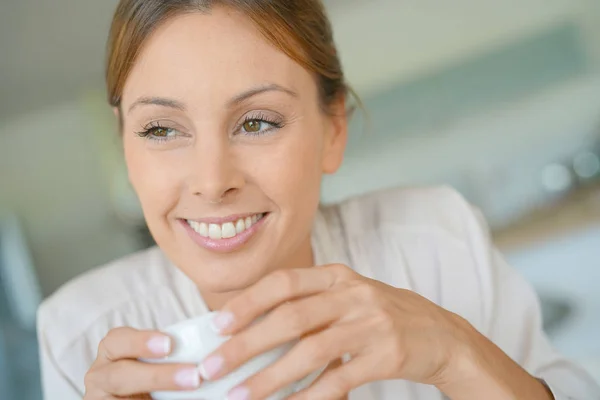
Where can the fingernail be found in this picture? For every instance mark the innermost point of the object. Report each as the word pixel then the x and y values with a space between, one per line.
pixel 160 345
pixel 221 321
pixel 210 367
pixel 187 378
pixel 239 393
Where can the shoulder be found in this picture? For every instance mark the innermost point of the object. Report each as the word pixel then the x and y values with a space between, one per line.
pixel 437 210
pixel 78 305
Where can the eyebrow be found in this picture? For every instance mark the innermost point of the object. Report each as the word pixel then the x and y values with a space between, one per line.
pixel 158 101
pixel 177 105
pixel 259 90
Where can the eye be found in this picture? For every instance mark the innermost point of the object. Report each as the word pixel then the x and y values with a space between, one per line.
pixel 162 132
pixel 260 124
pixel 158 133
pixel 253 126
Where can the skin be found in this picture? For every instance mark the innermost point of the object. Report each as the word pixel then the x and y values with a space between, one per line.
pixel 279 172
pixel 208 167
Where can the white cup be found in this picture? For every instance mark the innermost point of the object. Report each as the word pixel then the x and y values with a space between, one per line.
pixel 194 340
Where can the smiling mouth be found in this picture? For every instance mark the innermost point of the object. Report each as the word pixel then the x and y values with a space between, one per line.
pixel 227 230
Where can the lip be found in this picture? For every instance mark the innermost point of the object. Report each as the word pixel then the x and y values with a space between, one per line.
pixel 224 245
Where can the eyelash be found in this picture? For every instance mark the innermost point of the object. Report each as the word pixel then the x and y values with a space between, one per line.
pixel 274 124
pixel 149 131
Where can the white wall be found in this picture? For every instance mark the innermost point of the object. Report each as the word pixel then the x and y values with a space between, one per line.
pixel 51 176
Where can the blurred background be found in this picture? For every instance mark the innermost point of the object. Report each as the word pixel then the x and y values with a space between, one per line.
pixel 500 99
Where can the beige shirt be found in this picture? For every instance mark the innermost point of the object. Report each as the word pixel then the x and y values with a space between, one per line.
pixel 428 240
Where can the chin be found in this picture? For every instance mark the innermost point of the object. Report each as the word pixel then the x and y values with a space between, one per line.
pixel 223 271
pixel 225 276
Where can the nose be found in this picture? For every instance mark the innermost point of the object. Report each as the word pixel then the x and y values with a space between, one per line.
pixel 214 175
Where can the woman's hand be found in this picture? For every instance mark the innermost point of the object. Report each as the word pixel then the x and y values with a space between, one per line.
pixel 117 374
pixel 390 333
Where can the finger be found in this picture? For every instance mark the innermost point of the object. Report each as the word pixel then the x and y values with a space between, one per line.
pixel 284 324
pixel 130 378
pixel 338 382
pixel 310 354
pixel 126 343
pixel 103 396
pixel 274 289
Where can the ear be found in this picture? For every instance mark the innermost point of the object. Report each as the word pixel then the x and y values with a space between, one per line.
pixel 336 136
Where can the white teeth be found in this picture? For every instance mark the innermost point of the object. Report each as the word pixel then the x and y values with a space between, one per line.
pixel 226 230
pixel 240 226
pixel 214 231
pixel 203 230
pixel 199 227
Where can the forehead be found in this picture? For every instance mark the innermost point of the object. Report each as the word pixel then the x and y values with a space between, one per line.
pixel 217 54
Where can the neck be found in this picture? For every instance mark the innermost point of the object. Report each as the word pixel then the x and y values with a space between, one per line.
pixel 302 258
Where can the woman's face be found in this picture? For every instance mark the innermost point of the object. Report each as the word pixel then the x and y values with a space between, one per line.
pixel 226 144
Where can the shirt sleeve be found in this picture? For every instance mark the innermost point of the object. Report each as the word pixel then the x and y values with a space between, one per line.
pixel 55 384
pixel 514 323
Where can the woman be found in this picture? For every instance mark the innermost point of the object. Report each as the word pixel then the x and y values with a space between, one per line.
pixel 230 113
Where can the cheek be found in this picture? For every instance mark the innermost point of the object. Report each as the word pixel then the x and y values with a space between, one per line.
pixel 289 173
pixel 153 178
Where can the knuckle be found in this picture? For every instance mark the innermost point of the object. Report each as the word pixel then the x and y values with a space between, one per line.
pixel 106 345
pixel 105 349
pixel 294 319
pixel 364 292
pixel 385 320
pixel 90 380
pixel 235 348
pixel 111 380
pixel 316 350
pixel 119 332
pixel 104 379
pixel 343 271
pixel 287 281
